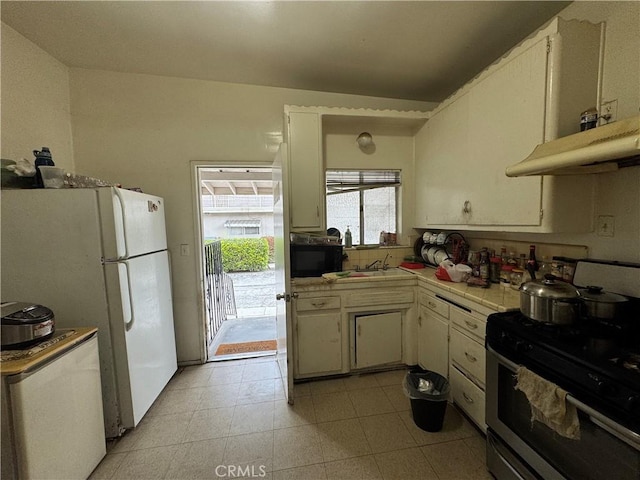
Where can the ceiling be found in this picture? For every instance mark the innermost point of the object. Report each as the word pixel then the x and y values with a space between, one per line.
pixel 236 181
pixel 419 50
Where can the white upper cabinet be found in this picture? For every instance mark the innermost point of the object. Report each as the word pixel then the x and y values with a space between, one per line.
pixel 306 172
pixel 534 94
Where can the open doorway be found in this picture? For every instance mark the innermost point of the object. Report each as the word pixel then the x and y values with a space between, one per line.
pixel 236 221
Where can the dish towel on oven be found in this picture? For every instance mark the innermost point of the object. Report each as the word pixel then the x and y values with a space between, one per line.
pixel 549 404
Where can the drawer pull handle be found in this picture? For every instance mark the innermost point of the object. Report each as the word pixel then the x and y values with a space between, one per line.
pixel 431 304
pixel 318 304
pixel 472 326
pixel 470 357
pixel 467 398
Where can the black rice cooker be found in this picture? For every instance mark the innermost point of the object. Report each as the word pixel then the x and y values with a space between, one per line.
pixel 23 324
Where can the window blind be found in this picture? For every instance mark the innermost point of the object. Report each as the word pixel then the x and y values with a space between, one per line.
pixel 342 181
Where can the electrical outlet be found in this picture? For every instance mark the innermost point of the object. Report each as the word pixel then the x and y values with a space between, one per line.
pixel 184 250
pixel 606 225
pixel 609 111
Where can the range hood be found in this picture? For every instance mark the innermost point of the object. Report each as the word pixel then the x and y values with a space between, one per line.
pixel 599 150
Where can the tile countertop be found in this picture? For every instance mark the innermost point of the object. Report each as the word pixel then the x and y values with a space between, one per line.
pixel 495 297
pixel 29 358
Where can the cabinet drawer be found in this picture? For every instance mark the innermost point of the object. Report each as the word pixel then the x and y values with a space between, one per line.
pixel 469 324
pixel 380 297
pixel 435 304
pixel 468 396
pixel 317 303
pixel 468 355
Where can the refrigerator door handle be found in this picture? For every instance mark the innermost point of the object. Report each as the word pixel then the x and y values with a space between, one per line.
pixel 129 325
pixel 124 223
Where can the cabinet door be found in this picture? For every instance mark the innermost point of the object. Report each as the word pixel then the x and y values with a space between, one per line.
pixel 506 122
pixel 433 342
pixel 319 343
pixel 306 173
pixel 378 339
pixel 442 152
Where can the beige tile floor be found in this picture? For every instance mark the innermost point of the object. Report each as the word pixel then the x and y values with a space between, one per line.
pixel 231 420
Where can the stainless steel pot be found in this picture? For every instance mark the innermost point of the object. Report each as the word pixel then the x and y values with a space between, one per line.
pixel 550 301
pixel 603 305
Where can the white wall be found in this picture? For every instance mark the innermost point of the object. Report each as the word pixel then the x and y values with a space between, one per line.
pixel 617 193
pixel 143 130
pixel 35 101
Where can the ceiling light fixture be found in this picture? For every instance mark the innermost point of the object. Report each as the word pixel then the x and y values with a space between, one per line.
pixel 364 140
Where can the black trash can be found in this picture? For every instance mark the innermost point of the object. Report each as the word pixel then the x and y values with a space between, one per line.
pixel 429 401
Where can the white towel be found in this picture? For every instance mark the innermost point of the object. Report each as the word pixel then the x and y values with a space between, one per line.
pixel 549 404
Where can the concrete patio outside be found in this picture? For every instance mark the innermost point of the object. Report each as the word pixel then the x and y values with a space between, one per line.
pixel 256 309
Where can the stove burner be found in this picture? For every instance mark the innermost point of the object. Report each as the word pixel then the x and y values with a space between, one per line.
pixel 630 361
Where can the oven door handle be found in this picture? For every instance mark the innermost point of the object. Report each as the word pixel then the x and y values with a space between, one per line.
pixel 629 437
pixel 505 361
pixel 621 433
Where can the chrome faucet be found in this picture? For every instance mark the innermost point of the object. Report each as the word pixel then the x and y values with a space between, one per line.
pixel 371 265
pixel 385 265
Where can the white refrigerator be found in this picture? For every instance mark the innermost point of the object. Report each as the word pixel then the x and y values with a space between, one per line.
pixel 98 257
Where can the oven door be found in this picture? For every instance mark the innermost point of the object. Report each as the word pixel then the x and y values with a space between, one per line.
pixel 605 449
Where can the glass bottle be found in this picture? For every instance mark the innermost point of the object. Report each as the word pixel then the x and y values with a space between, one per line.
pixel 533 262
pixel 494 271
pixel 484 266
pixel 522 261
pixel 348 241
pixel 545 267
pixel 504 258
pixel 43 159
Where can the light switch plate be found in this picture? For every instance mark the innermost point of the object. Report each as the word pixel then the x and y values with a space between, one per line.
pixel 606 225
pixel 184 250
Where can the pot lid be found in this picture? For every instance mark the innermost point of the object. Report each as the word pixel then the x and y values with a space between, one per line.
pixel 597 294
pixel 549 287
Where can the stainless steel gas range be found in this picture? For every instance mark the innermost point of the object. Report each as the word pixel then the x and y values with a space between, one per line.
pixel 602 387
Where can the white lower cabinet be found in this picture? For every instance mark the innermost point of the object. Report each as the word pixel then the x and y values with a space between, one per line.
pixel 451 332
pixel 318 339
pixel 339 329
pixel 319 343
pixel 378 339
pixel 433 341
pixel 468 355
pixel 468 396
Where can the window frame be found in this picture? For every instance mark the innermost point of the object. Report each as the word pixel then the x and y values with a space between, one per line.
pixel 393 180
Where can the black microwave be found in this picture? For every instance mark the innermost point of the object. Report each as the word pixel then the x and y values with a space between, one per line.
pixel 308 260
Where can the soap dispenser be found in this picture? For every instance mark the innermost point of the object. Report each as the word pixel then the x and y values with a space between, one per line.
pixel 347 238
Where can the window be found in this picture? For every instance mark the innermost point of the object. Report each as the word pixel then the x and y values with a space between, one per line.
pixel 242 228
pixel 365 201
